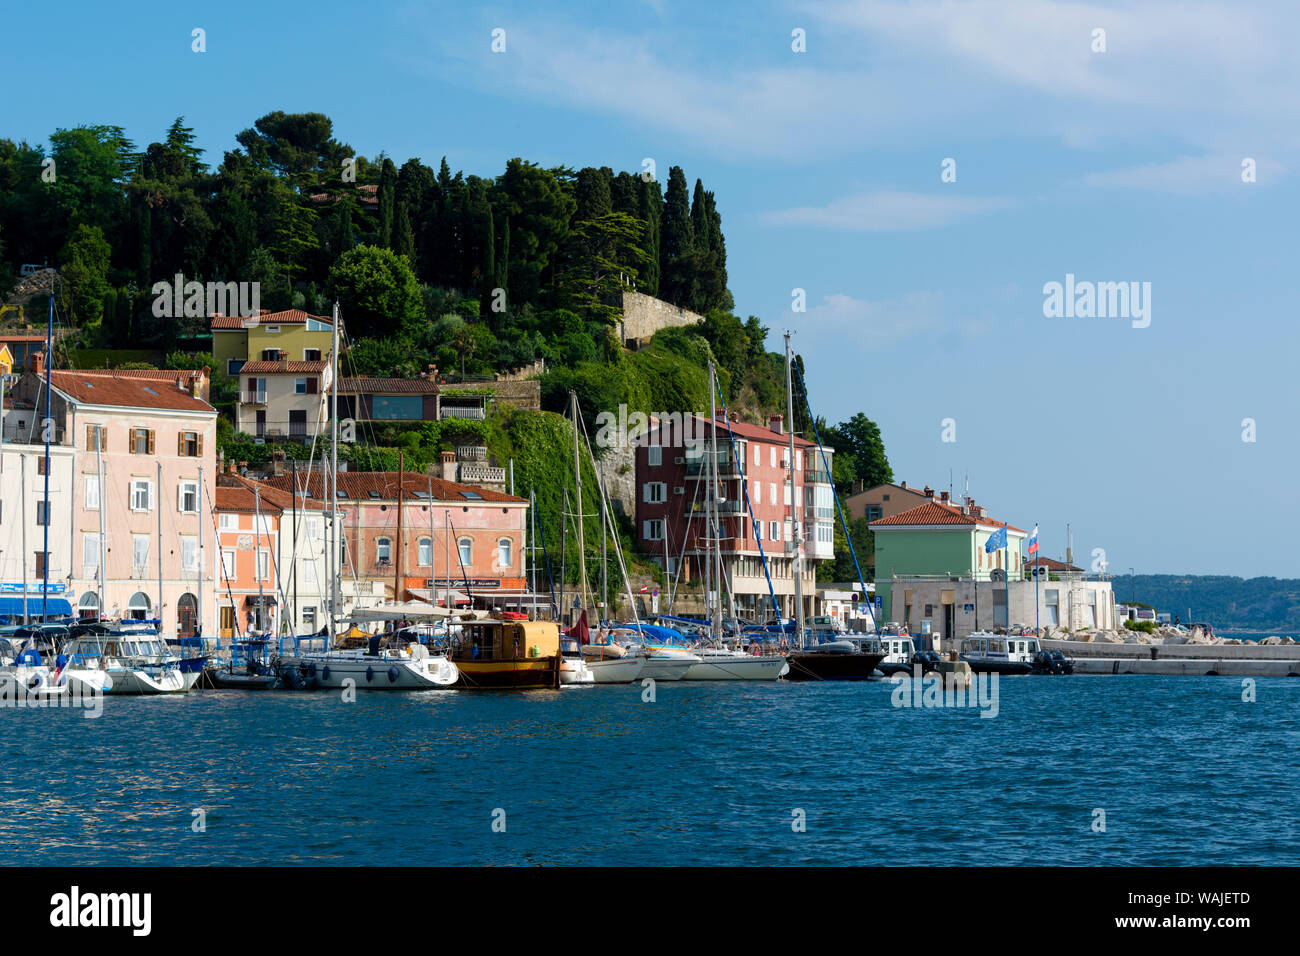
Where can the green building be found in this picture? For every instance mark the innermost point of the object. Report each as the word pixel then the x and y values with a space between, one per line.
pixel 938 539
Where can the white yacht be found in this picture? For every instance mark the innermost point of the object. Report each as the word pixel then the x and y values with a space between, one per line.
pixel 132 656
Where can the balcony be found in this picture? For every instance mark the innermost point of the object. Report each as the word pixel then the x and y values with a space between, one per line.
pixel 472 473
pixel 463 411
pixel 699 467
pixel 817 476
pixel 253 398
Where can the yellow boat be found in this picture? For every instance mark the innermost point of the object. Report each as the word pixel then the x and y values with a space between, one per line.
pixel 494 654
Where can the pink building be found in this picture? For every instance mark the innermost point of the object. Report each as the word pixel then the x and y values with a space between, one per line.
pixel 143 442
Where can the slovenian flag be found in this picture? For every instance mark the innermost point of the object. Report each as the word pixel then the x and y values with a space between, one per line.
pixel 998 539
pixel 1033 541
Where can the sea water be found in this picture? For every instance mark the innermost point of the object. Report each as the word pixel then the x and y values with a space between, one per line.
pixel 1072 770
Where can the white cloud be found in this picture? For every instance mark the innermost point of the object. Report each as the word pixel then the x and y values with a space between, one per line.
pixel 887 211
pixel 1189 175
pixel 841 317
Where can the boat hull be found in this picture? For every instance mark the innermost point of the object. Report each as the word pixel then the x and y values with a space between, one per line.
pixel 820 665
pixel 619 671
pixel 738 667
pixel 1005 668
pixel 528 674
pixel 378 673
pixel 667 668
pixel 130 681
pixel 574 672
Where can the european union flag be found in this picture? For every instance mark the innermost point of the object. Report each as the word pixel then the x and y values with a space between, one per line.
pixel 998 539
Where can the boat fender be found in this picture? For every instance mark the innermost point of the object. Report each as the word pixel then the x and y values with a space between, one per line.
pixel 370 674
pixel 325 672
pixel 392 675
pixel 311 669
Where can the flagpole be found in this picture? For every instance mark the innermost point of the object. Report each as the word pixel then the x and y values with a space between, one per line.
pixel 1036 553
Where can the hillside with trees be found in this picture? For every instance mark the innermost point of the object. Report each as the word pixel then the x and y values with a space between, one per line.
pixel 475 275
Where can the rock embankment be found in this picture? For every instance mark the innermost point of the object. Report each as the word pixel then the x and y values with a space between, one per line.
pixel 1160 636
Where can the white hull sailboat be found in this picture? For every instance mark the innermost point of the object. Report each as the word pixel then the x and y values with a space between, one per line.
pixel 617 670
pixel 574 671
pixel 722 664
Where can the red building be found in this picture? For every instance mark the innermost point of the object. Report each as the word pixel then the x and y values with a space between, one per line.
pixel 754 509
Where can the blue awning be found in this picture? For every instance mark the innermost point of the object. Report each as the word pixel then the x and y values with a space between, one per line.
pixel 54 606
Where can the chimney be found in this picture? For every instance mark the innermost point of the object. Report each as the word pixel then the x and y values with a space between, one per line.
pixel 38 363
pixel 903 485
pixel 448 466
pixel 277 461
pixel 929 492
pixel 943 497
pixel 775 422
pixel 243 468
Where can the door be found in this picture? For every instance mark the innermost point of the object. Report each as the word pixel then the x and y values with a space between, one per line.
pixel 298 423
pixel 949 624
pixel 261 423
pixel 227 621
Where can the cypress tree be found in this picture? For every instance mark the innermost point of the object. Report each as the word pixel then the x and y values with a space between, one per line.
pixel 387 190
pixel 677 243
pixel 403 237
pixel 650 202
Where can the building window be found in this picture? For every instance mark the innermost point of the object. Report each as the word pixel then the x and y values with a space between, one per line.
pixel 466 548
pixel 263 564
pixel 655 492
pixel 655 456
pixel 92 492
pixel 309 573
pixel 300 386
pixel 874 513
pixel 228 564
pixel 654 529
pixel 233 366
pixel 383 550
pixel 189 445
pixel 42 513
pixel 189 554
pixel 758 531
pixel 139 606
pixel 39 562
pixel 140 551
pixel 40 465
pixel 90 554
pixel 142 441
pixel 774 531
pixel 141 494
pixel 426 552
pixel 187 498
pixel 95 435
pixel 504 548
pixel 228 522
pixel 311 355
pixel 309 617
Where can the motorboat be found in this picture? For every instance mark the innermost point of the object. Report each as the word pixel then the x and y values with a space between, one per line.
pixel 132 655
pixel 249 667
pixel 411 667
pixel 1006 654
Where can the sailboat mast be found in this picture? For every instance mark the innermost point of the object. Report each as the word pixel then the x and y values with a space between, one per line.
pixel 331 566
pixel 22 524
pixel 712 500
pixel 158 500
pixel 532 565
pixel 257 554
pixel 564 533
pixel 103 546
pixel 46 427
pixel 577 484
pixel 199 628
pixel 796 551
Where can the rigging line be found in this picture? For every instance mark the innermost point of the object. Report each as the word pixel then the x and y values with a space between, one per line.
pixel 681 559
pixel 744 488
pixel 613 533
pixel 464 574
pixel 221 562
pixel 546 558
pixel 843 522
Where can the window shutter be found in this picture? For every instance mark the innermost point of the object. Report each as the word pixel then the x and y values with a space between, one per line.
pixel 645 529
pixel 311 386
pixel 150 433
pixel 645 492
pixel 180 443
pixel 90 438
pixel 153 502
pixel 200 444
pixel 180 497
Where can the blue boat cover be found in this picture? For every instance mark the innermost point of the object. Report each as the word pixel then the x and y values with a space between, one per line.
pixel 54 606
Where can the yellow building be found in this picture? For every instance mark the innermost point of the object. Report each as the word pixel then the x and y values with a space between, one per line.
pixel 300 336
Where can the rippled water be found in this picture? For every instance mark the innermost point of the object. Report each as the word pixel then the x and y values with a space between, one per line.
pixel 708 774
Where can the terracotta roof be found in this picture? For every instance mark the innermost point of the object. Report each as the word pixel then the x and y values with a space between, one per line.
pixel 934 513
pixel 358 485
pixel 1050 563
pixel 743 430
pixel 270 368
pixel 406 386
pixel 108 387
pixel 287 317
pixel 238 493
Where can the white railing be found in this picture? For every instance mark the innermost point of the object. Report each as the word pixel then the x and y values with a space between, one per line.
pixel 486 474
pixel 461 411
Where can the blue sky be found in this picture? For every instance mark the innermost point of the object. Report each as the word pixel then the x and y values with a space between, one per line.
pixel 925 298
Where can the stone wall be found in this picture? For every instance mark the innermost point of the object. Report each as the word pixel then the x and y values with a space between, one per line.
pixel 645 315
